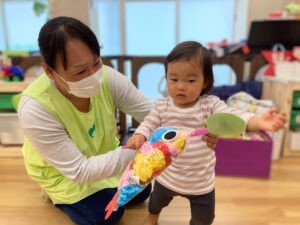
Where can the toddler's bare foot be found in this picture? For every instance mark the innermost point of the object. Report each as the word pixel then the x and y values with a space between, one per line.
pixel 151 220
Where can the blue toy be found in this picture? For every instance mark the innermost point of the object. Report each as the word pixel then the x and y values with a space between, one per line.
pixel 12 73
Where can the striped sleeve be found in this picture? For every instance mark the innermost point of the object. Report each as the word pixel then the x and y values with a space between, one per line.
pixel 151 122
pixel 220 106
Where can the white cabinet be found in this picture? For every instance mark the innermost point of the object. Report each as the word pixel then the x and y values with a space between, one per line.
pixel 10 131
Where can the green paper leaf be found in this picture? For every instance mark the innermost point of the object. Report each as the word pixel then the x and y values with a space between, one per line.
pixel 225 124
pixel 39 8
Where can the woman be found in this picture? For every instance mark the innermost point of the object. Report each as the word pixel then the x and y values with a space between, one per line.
pixel 68 118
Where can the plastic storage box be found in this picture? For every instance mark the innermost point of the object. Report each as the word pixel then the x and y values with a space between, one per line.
pixel 294 140
pixel 6 102
pixel 295 118
pixel 296 99
pixel 10 130
pixel 249 158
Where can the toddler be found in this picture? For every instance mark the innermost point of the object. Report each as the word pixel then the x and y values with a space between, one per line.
pixel 191 175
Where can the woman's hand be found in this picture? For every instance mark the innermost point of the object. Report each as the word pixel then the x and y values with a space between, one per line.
pixel 211 140
pixel 136 141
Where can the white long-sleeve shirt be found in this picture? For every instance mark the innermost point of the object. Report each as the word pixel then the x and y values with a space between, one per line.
pixel 192 172
pixel 50 139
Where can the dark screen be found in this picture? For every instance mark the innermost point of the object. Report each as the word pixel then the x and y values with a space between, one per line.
pixel 264 34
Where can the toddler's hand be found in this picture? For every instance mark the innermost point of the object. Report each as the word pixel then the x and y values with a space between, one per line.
pixel 135 141
pixel 211 140
pixel 272 120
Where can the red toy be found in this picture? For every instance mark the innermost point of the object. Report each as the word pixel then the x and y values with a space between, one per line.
pixel 12 73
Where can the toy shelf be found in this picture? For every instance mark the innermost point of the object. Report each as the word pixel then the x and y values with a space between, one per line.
pixel 282 93
pixel 10 131
pixel 12 87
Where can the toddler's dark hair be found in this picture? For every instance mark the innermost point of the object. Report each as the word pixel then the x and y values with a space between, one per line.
pixel 189 50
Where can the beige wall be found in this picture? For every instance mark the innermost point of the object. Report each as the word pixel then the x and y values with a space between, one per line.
pixel 259 9
pixel 74 8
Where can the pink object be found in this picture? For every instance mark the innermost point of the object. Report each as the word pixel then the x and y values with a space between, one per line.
pixel 147 148
pixel 296 52
pixel 277 15
pixel 201 131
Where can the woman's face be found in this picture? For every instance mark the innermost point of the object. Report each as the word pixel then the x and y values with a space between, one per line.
pixel 81 63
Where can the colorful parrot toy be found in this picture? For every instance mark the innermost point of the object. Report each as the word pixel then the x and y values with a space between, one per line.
pixel 153 157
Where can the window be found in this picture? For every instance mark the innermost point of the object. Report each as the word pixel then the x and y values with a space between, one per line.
pixel 136 27
pixel 105 21
pixel 154 27
pixel 20 25
pixel 149 31
pixel 206 20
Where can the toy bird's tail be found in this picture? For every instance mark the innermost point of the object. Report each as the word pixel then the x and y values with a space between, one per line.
pixel 111 206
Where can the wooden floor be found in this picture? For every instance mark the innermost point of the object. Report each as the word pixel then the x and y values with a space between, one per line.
pixel 239 201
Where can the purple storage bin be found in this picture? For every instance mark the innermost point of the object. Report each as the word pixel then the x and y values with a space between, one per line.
pixel 249 158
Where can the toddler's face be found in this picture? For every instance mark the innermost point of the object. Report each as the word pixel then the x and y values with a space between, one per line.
pixel 185 81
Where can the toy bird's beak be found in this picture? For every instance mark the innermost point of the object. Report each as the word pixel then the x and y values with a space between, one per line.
pixel 179 143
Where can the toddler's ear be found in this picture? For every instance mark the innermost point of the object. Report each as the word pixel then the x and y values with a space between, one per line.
pixel 204 85
pixel 203 88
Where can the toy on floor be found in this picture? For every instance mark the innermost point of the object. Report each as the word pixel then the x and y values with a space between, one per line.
pixel 156 154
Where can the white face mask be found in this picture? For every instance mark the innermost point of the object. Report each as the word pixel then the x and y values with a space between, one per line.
pixel 86 87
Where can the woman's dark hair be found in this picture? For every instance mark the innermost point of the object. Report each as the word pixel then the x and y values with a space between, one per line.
pixel 189 50
pixel 55 34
